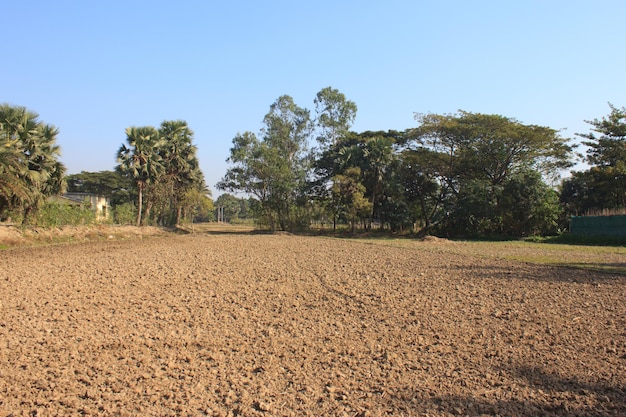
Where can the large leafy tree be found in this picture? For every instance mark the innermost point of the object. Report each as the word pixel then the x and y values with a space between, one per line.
pixel 476 155
pixel 139 159
pixel 492 147
pixel 273 168
pixel 29 167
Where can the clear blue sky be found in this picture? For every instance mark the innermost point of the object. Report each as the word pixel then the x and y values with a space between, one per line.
pixel 94 68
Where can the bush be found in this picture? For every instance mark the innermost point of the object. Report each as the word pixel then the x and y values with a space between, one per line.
pixel 125 214
pixel 55 215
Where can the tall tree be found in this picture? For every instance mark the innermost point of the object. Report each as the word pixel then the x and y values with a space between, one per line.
pixel 181 170
pixel 139 159
pixel 607 139
pixel 274 168
pixel 492 146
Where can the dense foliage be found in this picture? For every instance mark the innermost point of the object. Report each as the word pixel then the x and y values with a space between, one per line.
pixel 602 187
pixel 29 167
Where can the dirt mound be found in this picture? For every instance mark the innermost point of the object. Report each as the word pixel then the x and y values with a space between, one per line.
pixel 435 239
pixel 271 325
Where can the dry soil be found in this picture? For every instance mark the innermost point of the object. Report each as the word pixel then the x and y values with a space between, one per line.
pixel 280 325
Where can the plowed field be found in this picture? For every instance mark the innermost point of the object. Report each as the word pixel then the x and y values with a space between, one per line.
pixel 279 325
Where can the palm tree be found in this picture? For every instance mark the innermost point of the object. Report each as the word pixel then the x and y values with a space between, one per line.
pixel 140 160
pixel 180 164
pixel 11 185
pixel 29 166
pixel 379 156
pixel 179 160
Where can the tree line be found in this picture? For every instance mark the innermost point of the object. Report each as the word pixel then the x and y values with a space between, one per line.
pixel 157 178
pixel 466 173
pixel 461 174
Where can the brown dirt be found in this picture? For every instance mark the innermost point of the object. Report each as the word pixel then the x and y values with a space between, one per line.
pixel 265 325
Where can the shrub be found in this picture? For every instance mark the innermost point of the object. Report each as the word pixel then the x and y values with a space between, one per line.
pixel 125 214
pixel 56 215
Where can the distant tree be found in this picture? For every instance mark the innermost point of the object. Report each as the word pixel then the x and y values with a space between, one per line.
pixel 348 195
pixel 492 146
pixel 181 169
pixel 528 206
pixel 591 191
pixel 111 184
pixel 424 186
pixel 379 156
pixel 609 148
pixel 231 205
pixel 373 154
pixel 196 205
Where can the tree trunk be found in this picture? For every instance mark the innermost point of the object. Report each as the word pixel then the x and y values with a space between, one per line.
pixel 178 213
pixel 148 210
pixel 139 204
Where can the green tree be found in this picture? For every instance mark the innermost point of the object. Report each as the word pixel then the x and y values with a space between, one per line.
pixel 181 169
pixel 335 116
pixel 425 189
pixel 196 205
pixel 528 206
pixel 592 191
pixel 111 184
pixel 603 185
pixel 607 139
pixel 373 153
pixel 348 196
pixel 231 205
pixel 29 167
pixel 379 156
pixel 139 160
pixel 475 155
pixel 273 169
pixel 492 146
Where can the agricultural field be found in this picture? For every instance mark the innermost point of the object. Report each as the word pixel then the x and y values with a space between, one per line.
pixel 226 322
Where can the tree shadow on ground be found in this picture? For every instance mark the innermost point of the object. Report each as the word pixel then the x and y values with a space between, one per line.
pixel 565 273
pixel 535 392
